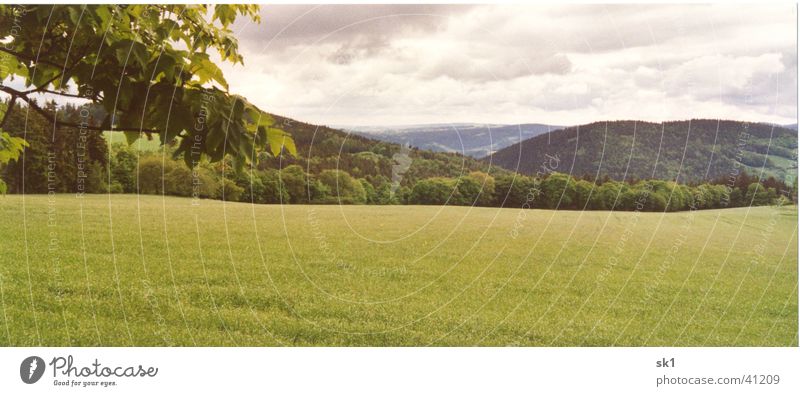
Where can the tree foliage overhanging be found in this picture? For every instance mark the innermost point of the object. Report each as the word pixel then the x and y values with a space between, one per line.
pixel 150 68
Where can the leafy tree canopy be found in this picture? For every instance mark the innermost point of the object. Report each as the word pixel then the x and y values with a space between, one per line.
pixel 150 68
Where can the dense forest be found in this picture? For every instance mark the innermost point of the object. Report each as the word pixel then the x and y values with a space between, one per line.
pixel 332 167
pixel 89 158
pixel 688 151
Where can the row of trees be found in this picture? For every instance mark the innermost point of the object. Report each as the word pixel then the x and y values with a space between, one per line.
pixel 561 191
pixel 155 173
pixel 82 161
pixel 73 160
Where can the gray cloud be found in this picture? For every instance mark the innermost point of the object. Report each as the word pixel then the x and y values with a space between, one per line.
pixel 390 64
pixel 370 25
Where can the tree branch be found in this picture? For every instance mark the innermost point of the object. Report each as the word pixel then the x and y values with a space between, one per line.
pixel 64 70
pixel 32 103
pixel 27 58
pixel 69 95
pixel 44 86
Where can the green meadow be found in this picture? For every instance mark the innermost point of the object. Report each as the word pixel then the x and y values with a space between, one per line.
pixel 125 270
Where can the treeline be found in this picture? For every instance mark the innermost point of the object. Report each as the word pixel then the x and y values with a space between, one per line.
pixel 319 149
pixel 61 161
pixel 158 173
pixel 348 170
pixel 155 173
pixel 561 191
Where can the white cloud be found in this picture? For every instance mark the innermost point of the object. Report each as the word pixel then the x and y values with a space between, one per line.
pixel 340 65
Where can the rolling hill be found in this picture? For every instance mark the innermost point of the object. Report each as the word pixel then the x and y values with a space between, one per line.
pixel 691 151
pixel 319 148
pixel 475 140
pixel 322 147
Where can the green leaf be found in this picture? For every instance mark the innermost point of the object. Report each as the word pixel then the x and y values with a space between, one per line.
pixel 10 147
pixel 164 68
pixel 74 15
pixel 104 15
pixel 119 67
pixel 140 54
pixel 170 28
pixel 128 51
pixel 132 137
pixel 288 142
pixel 11 66
pixel 224 13
pixel 215 137
pixel 279 139
pixel 207 71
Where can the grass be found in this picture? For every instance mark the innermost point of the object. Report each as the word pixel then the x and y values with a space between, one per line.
pixel 125 270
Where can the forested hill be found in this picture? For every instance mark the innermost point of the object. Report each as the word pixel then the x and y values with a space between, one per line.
pixel 695 150
pixel 334 167
pixel 388 167
pixel 322 147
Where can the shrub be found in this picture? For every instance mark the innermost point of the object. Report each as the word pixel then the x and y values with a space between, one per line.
pixel 295 181
pixel 558 190
pixel 123 167
pixel 96 180
pixel 477 188
pixel 514 191
pixel 433 191
pixel 229 191
pixel 272 191
pixel 343 187
pixel 150 178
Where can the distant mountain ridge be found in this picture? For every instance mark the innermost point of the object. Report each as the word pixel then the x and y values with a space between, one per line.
pixel 690 151
pixel 474 140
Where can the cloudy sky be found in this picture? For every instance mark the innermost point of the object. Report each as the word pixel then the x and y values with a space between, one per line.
pixel 399 65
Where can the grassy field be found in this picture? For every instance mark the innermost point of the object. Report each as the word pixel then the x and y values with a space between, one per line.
pixel 150 270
